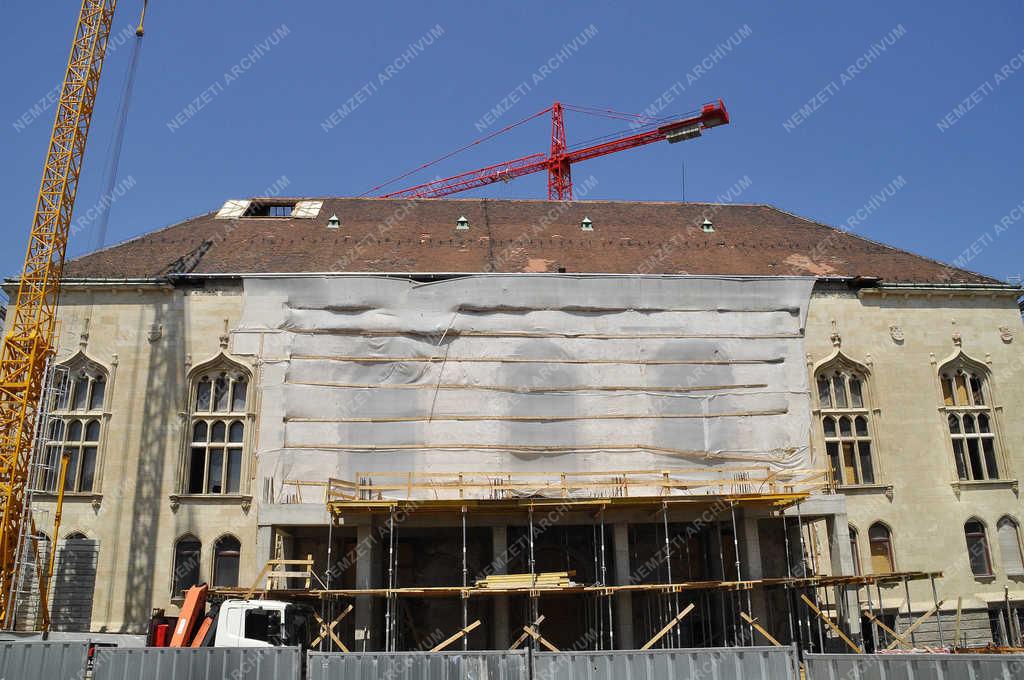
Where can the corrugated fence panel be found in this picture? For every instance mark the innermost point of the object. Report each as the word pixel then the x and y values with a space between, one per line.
pixel 914 666
pixel 236 663
pixel 418 666
pixel 732 663
pixel 43 660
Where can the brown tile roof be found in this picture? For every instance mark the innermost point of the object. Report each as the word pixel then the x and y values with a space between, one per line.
pixel 385 235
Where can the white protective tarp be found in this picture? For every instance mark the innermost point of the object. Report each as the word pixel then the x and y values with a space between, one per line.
pixel 526 373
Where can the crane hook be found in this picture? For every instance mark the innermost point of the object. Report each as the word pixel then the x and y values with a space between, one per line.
pixel 141 30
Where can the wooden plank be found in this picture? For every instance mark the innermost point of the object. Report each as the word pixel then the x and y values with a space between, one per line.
pixel 916 624
pixel 824 617
pixel 537 636
pixel 330 629
pixel 465 631
pixel 522 638
pixel 671 624
pixel 760 629
pixel 887 629
pixel 290 574
pixel 256 583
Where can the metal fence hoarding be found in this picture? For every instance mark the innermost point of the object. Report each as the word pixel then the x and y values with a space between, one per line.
pixel 727 663
pixel 207 663
pixel 914 666
pixel 43 660
pixel 418 666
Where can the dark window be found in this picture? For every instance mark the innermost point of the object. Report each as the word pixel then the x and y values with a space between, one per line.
pixel 186 564
pixel 226 554
pixel 74 432
pixel 263 625
pixel 270 209
pixel 880 540
pixel 218 434
pixel 971 428
pixel 855 551
pixel 977 548
pixel 845 424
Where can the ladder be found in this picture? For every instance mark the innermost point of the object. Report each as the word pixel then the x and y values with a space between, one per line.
pixel 33 550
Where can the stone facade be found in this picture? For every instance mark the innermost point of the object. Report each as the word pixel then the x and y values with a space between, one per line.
pixel 150 337
pixel 901 337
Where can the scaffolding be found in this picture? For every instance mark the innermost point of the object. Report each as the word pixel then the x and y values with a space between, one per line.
pixel 721 604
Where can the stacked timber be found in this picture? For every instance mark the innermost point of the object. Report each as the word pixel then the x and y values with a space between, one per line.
pixel 541 581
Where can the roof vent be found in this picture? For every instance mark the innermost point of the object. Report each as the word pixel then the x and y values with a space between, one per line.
pixel 586 225
pixel 333 222
pixel 706 226
pixel 462 223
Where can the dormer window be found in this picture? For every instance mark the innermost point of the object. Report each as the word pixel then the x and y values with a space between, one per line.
pixel 269 208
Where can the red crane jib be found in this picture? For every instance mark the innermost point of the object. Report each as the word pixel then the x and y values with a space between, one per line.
pixel 559 162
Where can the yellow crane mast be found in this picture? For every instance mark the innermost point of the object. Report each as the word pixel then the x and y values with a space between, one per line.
pixel 29 344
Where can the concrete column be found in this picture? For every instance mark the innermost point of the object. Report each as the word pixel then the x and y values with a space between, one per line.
pixel 264 547
pixel 841 557
pixel 499 543
pixel 367 569
pixel 753 568
pixel 623 600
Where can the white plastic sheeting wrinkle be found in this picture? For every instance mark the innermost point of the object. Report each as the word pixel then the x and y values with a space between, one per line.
pixel 367 374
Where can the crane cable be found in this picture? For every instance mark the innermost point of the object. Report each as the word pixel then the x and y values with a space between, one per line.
pixel 117 139
pixel 457 151
pixel 640 123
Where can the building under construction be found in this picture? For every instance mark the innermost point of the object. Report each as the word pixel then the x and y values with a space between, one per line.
pixel 611 423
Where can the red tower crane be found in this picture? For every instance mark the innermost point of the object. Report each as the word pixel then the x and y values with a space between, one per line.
pixel 558 163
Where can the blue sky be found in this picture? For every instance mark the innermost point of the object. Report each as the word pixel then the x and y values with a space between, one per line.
pixel 885 79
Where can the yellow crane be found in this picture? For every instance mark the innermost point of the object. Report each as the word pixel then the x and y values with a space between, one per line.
pixel 29 344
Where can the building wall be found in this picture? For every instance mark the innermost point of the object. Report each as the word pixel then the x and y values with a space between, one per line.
pixel 902 338
pixel 147 338
pixel 136 515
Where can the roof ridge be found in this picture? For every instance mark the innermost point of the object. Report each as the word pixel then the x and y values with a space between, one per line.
pixel 505 200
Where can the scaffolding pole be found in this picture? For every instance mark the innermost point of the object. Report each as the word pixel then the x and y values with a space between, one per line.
pixel 534 605
pixel 739 572
pixel 721 563
pixel 881 608
pixel 388 634
pixel 465 579
pixel 910 612
pixel 938 614
pixel 604 582
pixel 789 572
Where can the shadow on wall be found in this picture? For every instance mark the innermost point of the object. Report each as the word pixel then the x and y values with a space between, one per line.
pixel 160 406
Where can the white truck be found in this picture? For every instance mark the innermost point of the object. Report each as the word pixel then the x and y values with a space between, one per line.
pixel 262 623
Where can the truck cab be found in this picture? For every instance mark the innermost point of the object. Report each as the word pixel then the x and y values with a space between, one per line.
pixel 263 623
